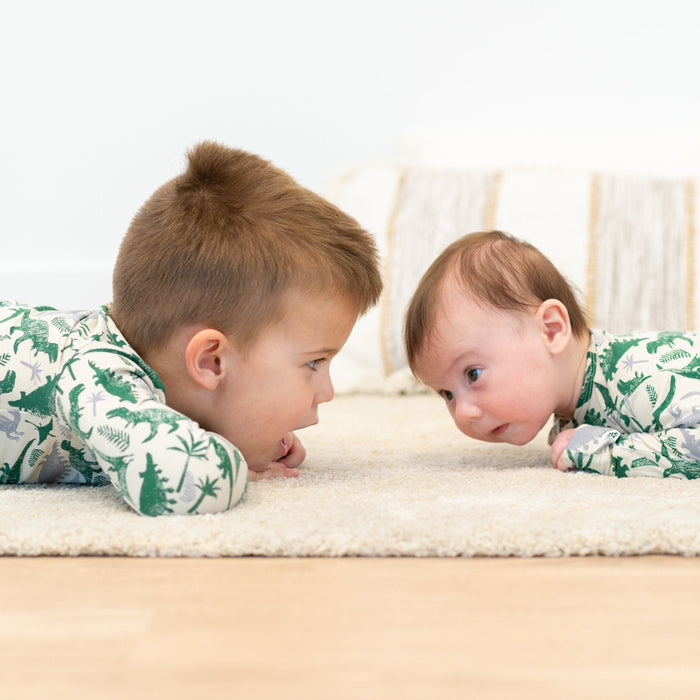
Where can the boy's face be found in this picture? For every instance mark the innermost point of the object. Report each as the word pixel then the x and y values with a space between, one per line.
pixel 492 367
pixel 279 381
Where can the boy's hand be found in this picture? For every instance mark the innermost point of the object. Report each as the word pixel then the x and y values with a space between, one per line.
pixel 285 466
pixel 295 451
pixel 558 446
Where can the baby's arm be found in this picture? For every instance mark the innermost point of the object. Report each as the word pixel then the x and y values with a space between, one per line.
pixel 665 453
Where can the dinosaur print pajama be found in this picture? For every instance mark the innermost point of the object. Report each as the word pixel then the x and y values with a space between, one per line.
pixel 78 405
pixel 639 408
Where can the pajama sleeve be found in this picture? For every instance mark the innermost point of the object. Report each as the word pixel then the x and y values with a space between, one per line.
pixel 159 460
pixel 666 453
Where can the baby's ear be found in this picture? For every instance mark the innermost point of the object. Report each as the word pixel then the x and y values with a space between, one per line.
pixel 556 325
pixel 206 357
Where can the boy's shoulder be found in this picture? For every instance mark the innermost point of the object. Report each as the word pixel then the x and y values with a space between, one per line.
pixel 96 340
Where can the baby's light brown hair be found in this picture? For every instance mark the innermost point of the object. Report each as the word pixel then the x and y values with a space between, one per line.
pixel 495 269
pixel 222 243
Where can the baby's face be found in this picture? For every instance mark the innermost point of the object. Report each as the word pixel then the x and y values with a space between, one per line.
pixel 279 381
pixel 492 367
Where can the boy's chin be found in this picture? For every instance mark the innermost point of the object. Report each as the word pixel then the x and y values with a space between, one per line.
pixel 262 460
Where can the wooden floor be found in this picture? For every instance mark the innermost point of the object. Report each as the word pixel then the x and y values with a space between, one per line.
pixel 350 628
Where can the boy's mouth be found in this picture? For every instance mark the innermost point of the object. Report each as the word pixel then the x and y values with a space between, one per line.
pixel 309 420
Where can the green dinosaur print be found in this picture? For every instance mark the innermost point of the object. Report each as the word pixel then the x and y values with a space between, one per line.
pixel 227 470
pixel 71 411
pixel 592 417
pixel 691 370
pixel 12 474
pixel 630 386
pixel 34 330
pixel 7 384
pixel 612 354
pixel 113 383
pixel 76 411
pixel 689 469
pixel 87 468
pixel 661 407
pixel 664 339
pixel 39 402
pixel 619 468
pixel 43 431
pixel 610 403
pixel 655 409
pixel 589 379
pixel 136 360
pixel 118 465
pixel 154 499
pixel 154 417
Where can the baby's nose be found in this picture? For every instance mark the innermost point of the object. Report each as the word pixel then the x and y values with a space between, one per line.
pixel 466 412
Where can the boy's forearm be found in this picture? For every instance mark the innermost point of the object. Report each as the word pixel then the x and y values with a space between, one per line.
pixel 159 460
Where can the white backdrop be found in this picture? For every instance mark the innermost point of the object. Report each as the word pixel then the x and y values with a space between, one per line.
pixel 99 102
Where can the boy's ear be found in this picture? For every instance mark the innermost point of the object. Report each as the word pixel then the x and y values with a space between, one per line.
pixel 206 358
pixel 556 325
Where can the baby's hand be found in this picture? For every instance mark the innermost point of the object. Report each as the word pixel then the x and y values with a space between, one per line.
pixel 558 446
pixel 285 466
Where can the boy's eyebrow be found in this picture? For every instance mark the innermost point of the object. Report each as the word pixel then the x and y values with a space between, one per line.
pixel 322 351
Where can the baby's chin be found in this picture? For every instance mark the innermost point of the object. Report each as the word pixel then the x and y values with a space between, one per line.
pixel 508 434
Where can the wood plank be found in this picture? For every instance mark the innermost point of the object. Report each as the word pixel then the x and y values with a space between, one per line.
pixel 350 628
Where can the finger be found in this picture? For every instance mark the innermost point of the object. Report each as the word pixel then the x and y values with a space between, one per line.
pixel 274 471
pixel 295 456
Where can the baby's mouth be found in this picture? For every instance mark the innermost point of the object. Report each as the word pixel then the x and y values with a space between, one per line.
pixel 497 432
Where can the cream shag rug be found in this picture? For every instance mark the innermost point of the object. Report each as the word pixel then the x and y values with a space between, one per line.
pixel 384 476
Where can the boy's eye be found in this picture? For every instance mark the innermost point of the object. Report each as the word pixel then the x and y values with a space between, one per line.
pixel 447 395
pixel 473 374
pixel 313 364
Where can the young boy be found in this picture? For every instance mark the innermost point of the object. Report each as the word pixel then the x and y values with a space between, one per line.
pixel 234 287
pixel 496 330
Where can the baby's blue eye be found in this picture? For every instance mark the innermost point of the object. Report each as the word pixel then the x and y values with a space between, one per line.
pixel 447 395
pixel 473 374
pixel 313 364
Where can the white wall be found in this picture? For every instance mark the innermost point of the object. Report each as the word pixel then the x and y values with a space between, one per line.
pixel 99 102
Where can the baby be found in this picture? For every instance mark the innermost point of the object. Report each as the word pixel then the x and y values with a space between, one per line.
pixel 496 330
pixel 233 289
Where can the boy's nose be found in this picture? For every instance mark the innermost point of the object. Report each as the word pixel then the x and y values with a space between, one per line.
pixel 325 392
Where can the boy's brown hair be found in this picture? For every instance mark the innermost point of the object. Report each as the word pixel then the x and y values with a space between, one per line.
pixel 495 269
pixel 224 241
